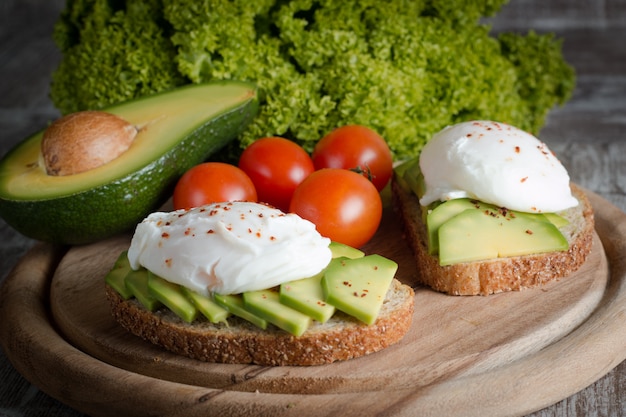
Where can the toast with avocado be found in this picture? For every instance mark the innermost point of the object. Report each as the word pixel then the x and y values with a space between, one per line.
pixel 354 307
pixel 466 254
pixel 239 341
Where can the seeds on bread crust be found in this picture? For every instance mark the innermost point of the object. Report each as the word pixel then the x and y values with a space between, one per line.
pixel 500 274
pixel 340 338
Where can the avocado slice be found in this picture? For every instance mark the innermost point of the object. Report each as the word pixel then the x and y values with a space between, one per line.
pixel 115 278
pixel 409 175
pixel 475 235
pixel 444 212
pixel 358 286
pixel 341 249
pixel 266 304
pixel 556 219
pixel 205 305
pixel 137 282
pixel 177 130
pixel 235 305
pixel 172 296
pixel 414 178
pixel 306 295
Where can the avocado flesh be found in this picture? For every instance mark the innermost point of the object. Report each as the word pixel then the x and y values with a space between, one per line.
pixel 557 220
pixel 340 249
pixel 414 178
pixel 235 305
pixel 116 277
pixel 266 304
pixel 485 243
pixel 306 295
pixel 178 129
pixel 305 299
pixel 137 282
pixel 358 286
pixel 172 296
pixel 410 177
pixel 444 212
pixel 205 305
pixel 475 235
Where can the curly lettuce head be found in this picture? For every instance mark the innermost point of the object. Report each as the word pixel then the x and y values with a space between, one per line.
pixel 112 55
pixel 404 68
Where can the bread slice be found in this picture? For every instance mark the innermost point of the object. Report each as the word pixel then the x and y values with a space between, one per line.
pixel 240 342
pixel 500 274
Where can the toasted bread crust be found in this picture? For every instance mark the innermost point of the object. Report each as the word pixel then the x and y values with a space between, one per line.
pixel 495 275
pixel 240 342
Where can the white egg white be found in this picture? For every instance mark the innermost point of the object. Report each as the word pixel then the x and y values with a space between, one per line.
pixel 229 248
pixel 495 163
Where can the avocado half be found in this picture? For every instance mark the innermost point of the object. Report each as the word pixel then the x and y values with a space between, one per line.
pixel 177 129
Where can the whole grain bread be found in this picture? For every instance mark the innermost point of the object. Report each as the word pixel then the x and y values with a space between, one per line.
pixel 500 274
pixel 240 342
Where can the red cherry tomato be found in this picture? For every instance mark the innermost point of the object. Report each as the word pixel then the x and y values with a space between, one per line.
pixel 358 148
pixel 212 182
pixel 343 205
pixel 276 166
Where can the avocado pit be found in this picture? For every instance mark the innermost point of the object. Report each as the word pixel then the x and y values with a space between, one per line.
pixel 84 140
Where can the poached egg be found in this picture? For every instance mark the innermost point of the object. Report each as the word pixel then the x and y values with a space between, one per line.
pixel 495 163
pixel 229 248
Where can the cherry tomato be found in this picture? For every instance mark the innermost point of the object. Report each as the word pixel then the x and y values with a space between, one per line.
pixel 358 148
pixel 276 166
pixel 212 182
pixel 343 205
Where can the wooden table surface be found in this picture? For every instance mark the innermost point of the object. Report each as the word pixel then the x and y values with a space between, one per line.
pixel 588 135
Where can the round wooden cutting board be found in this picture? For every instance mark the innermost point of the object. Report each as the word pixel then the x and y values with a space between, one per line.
pixel 505 354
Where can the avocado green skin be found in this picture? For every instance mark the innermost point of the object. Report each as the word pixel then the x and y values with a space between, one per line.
pixel 118 206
